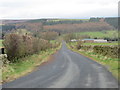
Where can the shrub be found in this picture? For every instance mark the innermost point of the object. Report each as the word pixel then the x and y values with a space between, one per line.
pixel 79 45
pixel 18 46
pixel 44 44
pixel 110 51
pixel 55 45
pixel 49 35
pixel 14 46
pixel 28 44
pixel 3 59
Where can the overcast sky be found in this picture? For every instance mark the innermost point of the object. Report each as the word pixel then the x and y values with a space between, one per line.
pixel 34 9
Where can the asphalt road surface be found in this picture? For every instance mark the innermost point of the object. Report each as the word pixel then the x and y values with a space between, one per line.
pixel 67 70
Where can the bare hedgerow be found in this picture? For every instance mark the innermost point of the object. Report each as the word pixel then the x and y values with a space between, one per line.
pixel 44 44
pixel 13 44
pixel 18 46
pixel 28 44
pixel 110 51
pixel 79 44
pixel 49 35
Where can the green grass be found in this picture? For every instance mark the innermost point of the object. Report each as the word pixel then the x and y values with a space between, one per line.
pixel 101 34
pixel 69 20
pixel 110 63
pixel 26 65
pixel 114 43
pixel 1 45
pixel 22 31
pixel 53 41
pixel 57 20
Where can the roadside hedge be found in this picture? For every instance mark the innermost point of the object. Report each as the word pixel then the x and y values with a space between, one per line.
pixel 18 46
pixel 109 51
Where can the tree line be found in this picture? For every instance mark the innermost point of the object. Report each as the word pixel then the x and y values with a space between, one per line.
pixel 112 21
pixel 18 45
pixel 63 26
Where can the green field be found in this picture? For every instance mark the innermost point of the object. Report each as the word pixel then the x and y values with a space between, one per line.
pixel 57 20
pixel 101 34
pixel 114 43
pixel 1 45
pixel 69 20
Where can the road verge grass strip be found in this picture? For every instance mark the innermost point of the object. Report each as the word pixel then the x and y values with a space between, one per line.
pixel 26 65
pixel 112 64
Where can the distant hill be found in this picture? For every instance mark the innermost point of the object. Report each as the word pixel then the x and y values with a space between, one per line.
pixel 61 25
pixel 13 21
pixel 110 20
pixel 80 27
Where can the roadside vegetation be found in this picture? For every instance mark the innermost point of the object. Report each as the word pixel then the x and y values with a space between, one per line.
pixel 24 52
pixel 105 55
pixel 1 45
pixel 26 64
pixel 112 43
pixel 31 42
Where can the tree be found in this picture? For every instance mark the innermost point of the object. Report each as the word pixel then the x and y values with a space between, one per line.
pixel 49 35
pixel 69 36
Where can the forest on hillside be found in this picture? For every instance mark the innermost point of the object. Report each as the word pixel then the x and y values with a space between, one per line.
pixel 61 26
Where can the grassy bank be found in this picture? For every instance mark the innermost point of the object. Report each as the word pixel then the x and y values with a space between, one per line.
pixel 110 63
pixel 107 43
pixel 1 45
pixel 26 65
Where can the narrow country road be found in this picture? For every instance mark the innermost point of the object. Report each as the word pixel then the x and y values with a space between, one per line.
pixel 67 70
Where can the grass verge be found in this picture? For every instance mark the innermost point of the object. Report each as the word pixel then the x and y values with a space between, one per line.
pixel 26 65
pixel 1 45
pixel 112 64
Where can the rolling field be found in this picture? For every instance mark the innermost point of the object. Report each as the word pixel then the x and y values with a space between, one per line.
pixel 69 19
pixel 102 34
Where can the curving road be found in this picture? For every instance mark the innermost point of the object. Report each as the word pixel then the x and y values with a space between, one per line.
pixel 67 70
